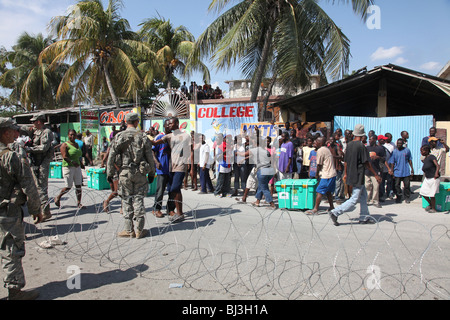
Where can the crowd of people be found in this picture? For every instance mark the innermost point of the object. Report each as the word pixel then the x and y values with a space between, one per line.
pixel 350 167
pixel 204 92
pixel 381 171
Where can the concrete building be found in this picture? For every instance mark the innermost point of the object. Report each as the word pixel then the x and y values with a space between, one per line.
pixel 242 88
pixel 445 72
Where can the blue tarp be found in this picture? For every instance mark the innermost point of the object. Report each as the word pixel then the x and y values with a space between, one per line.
pixel 418 127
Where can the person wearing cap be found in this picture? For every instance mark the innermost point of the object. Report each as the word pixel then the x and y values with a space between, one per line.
pixel 356 161
pixel 19 145
pixel 438 148
pixel 131 152
pixel 41 154
pixel 17 187
pixel 426 140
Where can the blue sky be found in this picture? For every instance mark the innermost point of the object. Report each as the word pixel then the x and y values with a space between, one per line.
pixel 413 33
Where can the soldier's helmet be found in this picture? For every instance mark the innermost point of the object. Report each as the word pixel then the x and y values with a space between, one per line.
pixel 8 123
pixel 131 117
pixel 38 117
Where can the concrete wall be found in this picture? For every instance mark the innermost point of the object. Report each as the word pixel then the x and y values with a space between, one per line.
pixel 242 88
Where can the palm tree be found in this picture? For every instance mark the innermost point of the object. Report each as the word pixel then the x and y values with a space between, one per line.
pixel 31 80
pixel 99 46
pixel 285 39
pixel 173 48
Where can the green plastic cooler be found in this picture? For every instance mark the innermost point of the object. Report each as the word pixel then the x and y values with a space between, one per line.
pixel 442 198
pixel 55 170
pixel 296 194
pixel 284 190
pixel 97 179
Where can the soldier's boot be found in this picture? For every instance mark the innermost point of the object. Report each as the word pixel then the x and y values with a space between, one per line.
pixel 17 294
pixel 126 234
pixel 141 234
pixel 46 215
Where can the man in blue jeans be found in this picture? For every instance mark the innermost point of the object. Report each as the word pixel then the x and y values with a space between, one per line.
pixel 162 161
pixel 180 155
pixel 356 161
pixel 401 162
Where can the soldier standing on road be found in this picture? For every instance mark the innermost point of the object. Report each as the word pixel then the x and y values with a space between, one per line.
pixel 135 161
pixel 17 186
pixel 41 154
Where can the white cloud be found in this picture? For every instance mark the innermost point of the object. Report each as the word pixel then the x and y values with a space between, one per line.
pixel 18 16
pixel 382 53
pixel 400 61
pixel 431 66
pixel 36 7
pixel 215 84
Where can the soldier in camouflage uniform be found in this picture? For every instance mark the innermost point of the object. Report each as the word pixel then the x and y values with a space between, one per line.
pixel 41 154
pixel 132 153
pixel 17 187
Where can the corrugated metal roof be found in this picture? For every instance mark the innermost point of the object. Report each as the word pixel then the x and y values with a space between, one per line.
pixel 70 110
pixel 418 127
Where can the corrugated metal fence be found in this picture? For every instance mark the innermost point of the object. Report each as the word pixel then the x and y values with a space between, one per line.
pixel 418 127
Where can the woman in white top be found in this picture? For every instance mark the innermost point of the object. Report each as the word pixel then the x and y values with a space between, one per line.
pixel 265 171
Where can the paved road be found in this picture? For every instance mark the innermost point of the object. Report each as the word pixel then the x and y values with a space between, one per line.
pixel 229 251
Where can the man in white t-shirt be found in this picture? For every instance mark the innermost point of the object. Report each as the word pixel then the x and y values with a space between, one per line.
pixel 180 156
pixel 204 166
pixel 326 170
pixel 389 145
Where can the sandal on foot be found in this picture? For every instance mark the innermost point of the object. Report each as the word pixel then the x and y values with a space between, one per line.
pixel 105 207
pixel 176 218
pixel 158 214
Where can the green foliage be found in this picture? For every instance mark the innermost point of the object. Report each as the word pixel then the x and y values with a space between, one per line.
pixel 173 49
pixel 31 81
pixel 288 40
pixel 100 45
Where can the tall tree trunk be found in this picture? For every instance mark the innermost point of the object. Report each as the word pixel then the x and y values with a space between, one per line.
pixel 263 63
pixel 266 98
pixel 169 78
pixel 110 87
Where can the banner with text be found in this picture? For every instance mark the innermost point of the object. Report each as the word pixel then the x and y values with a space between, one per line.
pixel 225 119
pixel 116 116
pixel 89 120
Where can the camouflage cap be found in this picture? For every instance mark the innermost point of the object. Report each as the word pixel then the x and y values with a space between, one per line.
pixel 131 117
pixel 8 123
pixel 37 117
